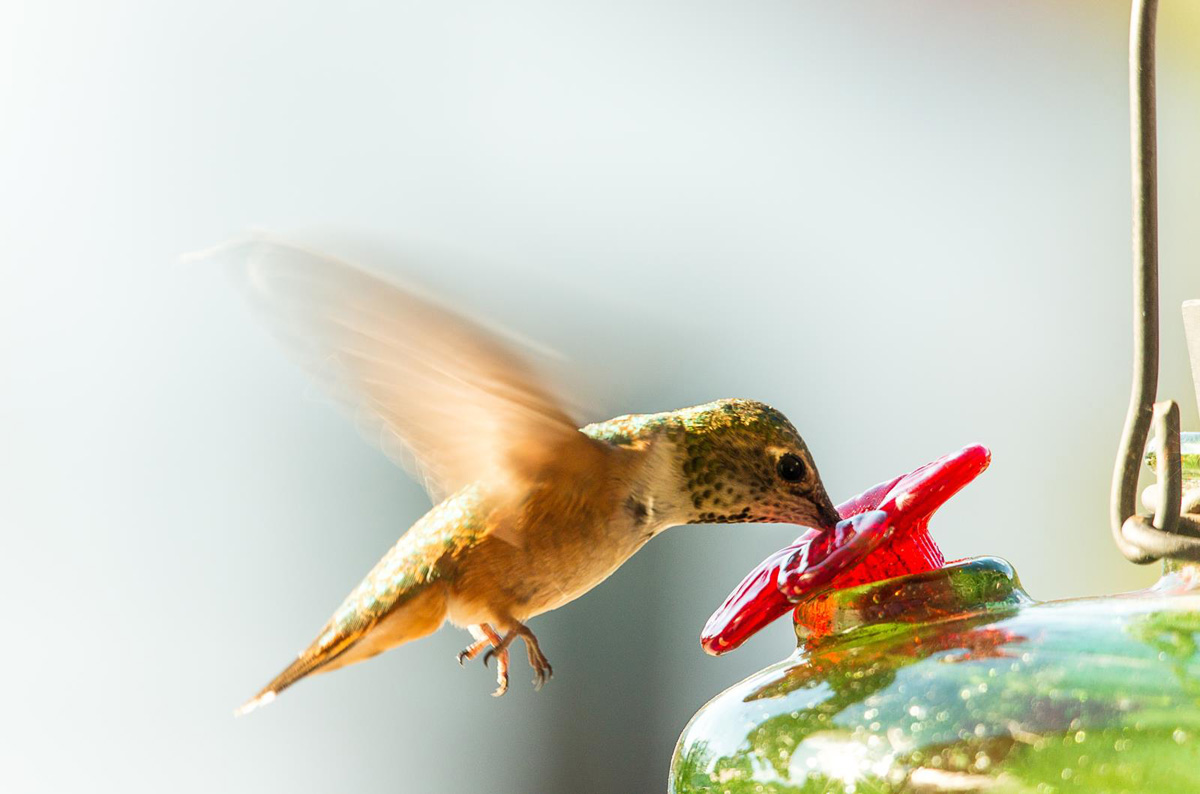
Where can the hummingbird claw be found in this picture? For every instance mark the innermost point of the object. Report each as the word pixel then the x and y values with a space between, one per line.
pixel 542 674
pixel 501 671
pixel 484 636
pixel 499 650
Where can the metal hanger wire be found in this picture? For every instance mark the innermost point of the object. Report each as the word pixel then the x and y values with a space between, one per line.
pixel 1169 533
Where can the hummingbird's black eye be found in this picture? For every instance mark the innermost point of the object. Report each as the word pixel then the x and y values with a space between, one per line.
pixel 790 468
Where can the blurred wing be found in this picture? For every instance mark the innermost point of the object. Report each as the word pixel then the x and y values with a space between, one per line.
pixel 436 392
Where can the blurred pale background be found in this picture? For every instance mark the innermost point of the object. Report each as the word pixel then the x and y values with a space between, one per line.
pixel 904 224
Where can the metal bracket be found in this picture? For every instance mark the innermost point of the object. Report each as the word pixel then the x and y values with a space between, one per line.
pixel 1168 534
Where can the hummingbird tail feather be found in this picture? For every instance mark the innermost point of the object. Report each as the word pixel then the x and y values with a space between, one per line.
pixel 303 665
pixel 261 699
pixel 417 613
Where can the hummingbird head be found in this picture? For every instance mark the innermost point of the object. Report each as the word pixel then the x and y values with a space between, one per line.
pixel 743 461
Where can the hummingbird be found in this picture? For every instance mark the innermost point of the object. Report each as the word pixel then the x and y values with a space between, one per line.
pixel 530 511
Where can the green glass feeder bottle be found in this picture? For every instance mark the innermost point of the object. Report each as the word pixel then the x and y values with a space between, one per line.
pixel 954 679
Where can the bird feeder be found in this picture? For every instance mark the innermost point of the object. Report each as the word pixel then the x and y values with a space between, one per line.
pixel 912 674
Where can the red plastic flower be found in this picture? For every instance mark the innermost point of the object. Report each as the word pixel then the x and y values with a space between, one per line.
pixel 884 533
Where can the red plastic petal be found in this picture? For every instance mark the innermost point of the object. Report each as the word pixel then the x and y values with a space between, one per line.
pixel 821 556
pixel 870 548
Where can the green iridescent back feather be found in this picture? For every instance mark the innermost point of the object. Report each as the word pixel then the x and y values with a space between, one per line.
pixel 412 564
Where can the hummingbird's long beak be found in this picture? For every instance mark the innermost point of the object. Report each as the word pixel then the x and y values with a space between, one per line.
pixel 828 513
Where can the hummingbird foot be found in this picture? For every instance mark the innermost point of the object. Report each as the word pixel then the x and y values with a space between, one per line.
pixel 501 669
pixel 484 636
pixel 542 671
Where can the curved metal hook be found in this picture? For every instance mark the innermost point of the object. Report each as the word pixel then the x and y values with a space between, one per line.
pixel 1139 539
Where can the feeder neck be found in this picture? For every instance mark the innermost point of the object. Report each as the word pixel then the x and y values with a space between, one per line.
pixel 961 589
